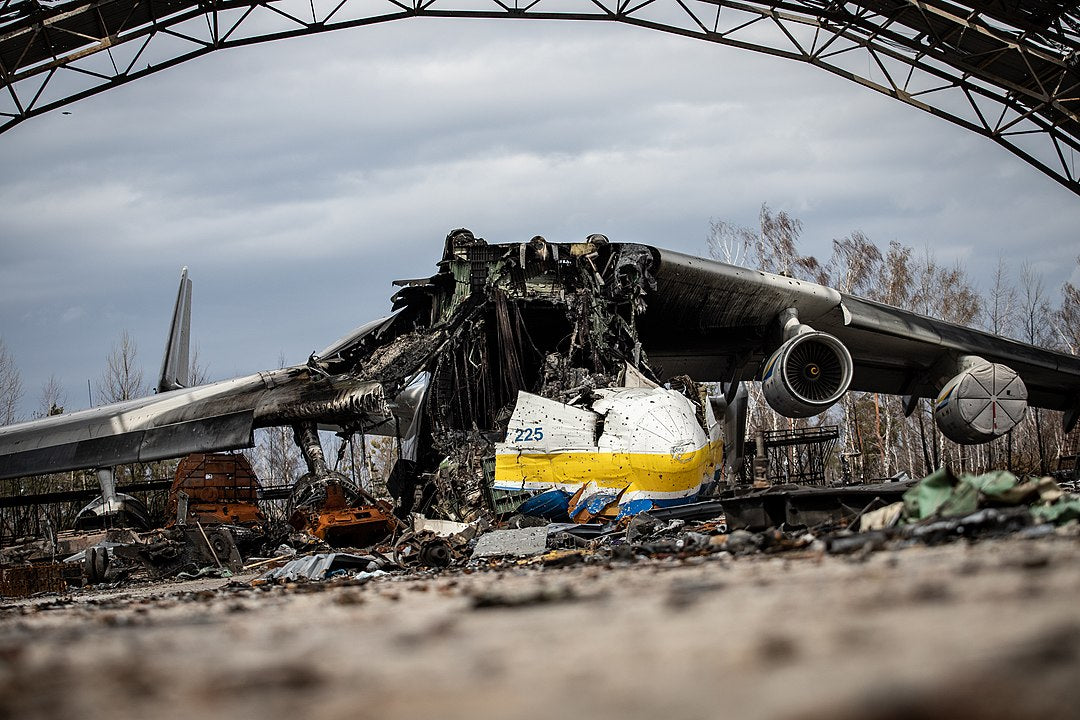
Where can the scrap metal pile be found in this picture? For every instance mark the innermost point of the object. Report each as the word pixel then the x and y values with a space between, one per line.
pixel 942 507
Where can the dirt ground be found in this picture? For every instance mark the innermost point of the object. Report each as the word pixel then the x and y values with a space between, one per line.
pixel 965 630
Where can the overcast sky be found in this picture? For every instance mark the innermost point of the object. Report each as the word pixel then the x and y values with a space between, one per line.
pixel 296 179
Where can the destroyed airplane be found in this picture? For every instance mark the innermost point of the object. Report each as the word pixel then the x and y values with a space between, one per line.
pixel 538 367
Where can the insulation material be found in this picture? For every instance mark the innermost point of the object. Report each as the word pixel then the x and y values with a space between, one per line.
pixel 632 378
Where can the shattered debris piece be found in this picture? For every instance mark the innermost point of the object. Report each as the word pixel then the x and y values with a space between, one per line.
pixel 641 445
pixel 353 527
pixel 979 523
pixel 943 494
pixel 553 505
pixel 27 580
pixel 100 545
pixel 339 523
pixel 511 543
pixel 183 549
pixel 885 517
pixel 591 502
pixel 442 528
pixel 1059 512
pixel 323 565
pixel 842 544
pixel 435 553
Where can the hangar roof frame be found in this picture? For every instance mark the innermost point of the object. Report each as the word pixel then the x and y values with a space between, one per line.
pixel 1008 70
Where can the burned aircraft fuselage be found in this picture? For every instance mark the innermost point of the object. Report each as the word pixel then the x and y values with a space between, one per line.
pixel 556 320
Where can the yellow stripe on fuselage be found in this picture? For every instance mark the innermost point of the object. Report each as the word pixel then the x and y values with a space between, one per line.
pixel 637 472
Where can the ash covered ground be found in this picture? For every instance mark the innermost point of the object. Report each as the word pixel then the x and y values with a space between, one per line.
pixel 987 629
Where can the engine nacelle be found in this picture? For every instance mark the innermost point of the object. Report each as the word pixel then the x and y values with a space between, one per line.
pixel 983 402
pixel 806 375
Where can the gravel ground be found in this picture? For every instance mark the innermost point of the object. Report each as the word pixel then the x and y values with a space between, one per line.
pixel 982 630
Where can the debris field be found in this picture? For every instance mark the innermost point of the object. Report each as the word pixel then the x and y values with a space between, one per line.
pixel 985 629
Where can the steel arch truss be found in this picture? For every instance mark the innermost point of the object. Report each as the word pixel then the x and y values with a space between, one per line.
pixel 1005 69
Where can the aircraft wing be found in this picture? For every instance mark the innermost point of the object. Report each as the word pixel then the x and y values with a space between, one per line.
pixel 208 418
pixel 715 321
pixel 896 351
pixel 214 417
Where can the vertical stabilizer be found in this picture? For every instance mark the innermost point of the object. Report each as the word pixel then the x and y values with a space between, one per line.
pixel 174 367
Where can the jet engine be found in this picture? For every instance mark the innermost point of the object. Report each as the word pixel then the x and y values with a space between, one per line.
pixel 806 375
pixel 986 400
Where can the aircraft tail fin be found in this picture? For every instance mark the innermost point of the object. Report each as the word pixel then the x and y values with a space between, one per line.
pixel 174 367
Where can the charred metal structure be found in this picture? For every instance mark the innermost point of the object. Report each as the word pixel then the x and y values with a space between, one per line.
pixel 1006 69
pixel 798 456
pixel 560 320
pixel 214 489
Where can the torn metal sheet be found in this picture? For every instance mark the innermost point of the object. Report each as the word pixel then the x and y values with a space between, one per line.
pixel 511 543
pixel 323 565
pixel 440 528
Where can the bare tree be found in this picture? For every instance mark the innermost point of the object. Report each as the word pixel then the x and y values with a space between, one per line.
pixel 773 246
pixel 123 378
pixel 896 277
pixel 1002 303
pixel 776 249
pixel 276 458
pixel 729 243
pixel 11 387
pixel 53 398
pixel 1067 318
pixel 1035 316
pixel 1035 310
pixel 855 266
pixel 198 371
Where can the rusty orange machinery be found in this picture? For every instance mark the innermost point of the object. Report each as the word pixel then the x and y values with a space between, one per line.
pixel 338 524
pixel 218 488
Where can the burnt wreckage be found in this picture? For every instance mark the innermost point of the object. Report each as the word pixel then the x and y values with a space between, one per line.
pixel 496 324
pixel 507 342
